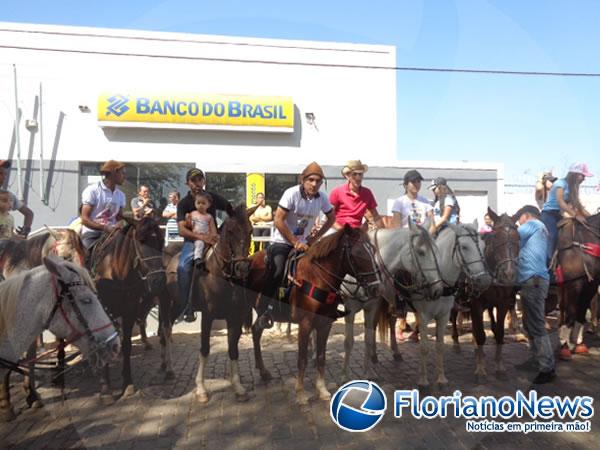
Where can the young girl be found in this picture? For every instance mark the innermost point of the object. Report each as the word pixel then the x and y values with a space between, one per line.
pixel 202 223
pixel 445 205
pixel 542 188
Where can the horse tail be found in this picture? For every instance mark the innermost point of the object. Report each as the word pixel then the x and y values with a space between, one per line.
pixel 248 320
pixel 383 323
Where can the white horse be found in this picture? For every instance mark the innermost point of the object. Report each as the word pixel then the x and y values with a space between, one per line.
pixel 460 251
pixel 401 251
pixel 58 296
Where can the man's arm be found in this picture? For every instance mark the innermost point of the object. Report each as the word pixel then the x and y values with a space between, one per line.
pixel 27 220
pixel 86 220
pixel 327 225
pixel 396 220
pixel 372 216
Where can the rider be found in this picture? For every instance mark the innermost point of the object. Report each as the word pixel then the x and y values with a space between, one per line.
pixel 352 201
pixel 295 216
pixel 196 181
pixel 542 188
pixel 412 206
pixel 564 199
pixel 445 206
pixel 102 203
pixel 16 204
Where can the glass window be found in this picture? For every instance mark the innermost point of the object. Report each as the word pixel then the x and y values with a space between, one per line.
pixel 275 186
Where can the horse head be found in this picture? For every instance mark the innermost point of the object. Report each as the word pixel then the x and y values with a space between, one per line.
pixel 502 249
pixel 424 260
pixel 234 243
pixel 148 243
pixel 468 251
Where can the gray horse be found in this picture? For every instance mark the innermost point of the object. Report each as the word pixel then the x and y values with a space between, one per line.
pixel 402 252
pixel 59 296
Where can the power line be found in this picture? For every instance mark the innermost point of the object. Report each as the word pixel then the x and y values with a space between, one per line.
pixel 314 64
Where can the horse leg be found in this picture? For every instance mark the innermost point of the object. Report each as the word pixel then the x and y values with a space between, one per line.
pixel 288 331
pixel 370 315
pixel 304 329
pixel 33 398
pixel 455 341
pixel 128 321
pixel 206 325
pixel 323 329
pixel 423 320
pixel 141 322
pixel 106 397
pixel 7 413
pixel 502 309
pixel 349 344
pixel 59 379
pixel 234 331
pixel 165 329
pixel 440 332
pixel 479 335
pixel 259 363
pixel 393 341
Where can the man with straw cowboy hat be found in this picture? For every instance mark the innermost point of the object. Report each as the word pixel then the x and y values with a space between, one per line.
pixel 352 201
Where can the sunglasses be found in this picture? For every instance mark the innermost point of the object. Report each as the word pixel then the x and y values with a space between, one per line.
pixel 357 174
pixel 317 180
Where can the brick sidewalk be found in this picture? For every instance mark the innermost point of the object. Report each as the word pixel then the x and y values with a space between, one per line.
pixel 165 415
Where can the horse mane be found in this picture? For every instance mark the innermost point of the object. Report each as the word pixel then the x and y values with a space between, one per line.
pixel 119 248
pixel 74 241
pixel 594 220
pixel 326 245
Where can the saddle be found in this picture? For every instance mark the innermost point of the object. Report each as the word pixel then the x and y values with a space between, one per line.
pixel 289 273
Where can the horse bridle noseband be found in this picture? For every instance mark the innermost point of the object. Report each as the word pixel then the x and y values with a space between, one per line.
pixel 228 264
pixel 466 264
pixel 62 292
pixel 144 276
pixel 422 282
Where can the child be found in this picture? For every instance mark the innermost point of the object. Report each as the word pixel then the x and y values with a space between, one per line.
pixel 202 223
pixel 7 224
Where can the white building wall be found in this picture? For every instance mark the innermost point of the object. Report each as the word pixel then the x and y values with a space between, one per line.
pixel 355 108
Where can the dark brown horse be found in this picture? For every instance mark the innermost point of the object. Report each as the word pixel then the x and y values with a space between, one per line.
pixel 128 267
pixel 220 293
pixel 578 277
pixel 320 271
pixel 501 257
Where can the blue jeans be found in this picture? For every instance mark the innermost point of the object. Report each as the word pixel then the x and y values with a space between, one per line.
pixel 533 295
pixel 184 275
pixel 551 219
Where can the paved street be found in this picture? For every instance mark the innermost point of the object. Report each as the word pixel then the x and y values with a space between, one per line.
pixel 165 415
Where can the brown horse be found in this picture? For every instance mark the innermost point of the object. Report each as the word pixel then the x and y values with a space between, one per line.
pixel 501 257
pixel 128 267
pixel 220 293
pixel 319 274
pixel 579 277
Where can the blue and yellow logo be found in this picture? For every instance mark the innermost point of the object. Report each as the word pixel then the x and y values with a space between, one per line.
pixel 215 110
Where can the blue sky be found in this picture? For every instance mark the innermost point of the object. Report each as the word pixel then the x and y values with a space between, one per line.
pixel 529 123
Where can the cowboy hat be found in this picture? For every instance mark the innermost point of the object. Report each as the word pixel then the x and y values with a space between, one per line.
pixel 354 165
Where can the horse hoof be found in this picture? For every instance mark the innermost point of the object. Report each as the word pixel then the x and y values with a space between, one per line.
pixel 456 348
pixel 501 375
pixel 581 349
pixel 442 385
pixel 163 366
pixel 169 375
pixel 480 379
pixel 375 359
pixel 302 399
pixel 424 389
pixel 324 396
pixel 265 375
pixel 129 391
pixel 398 357
pixel 37 404
pixel 202 397
pixel 241 398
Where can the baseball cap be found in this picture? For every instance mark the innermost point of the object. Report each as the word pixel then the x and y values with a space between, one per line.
pixel 194 173
pixel 581 168
pixel 439 181
pixel 549 176
pixel 528 209
pixel 412 175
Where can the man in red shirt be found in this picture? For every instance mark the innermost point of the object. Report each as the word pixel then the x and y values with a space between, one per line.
pixel 352 201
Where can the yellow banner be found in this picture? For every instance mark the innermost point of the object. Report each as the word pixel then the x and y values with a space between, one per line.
pixel 255 183
pixel 115 109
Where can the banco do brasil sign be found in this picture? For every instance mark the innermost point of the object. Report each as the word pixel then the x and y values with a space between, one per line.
pixel 237 112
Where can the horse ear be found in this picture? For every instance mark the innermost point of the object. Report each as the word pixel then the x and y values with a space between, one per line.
pixel 493 215
pixel 56 266
pixel 476 224
pixel 56 235
pixel 251 210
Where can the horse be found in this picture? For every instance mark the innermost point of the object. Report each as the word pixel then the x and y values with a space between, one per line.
pixel 19 254
pixel 128 266
pixel 460 252
pixel 578 257
pixel 501 257
pixel 58 296
pixel 220 294
pixel 319 274
pixel 407 250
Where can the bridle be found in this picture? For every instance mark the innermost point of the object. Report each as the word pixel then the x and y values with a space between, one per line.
pixel 62 292
pixel 511 258
pixel 141 266
pixel 583 248
pixel 463 263
pixel 361 277
pixel 229 263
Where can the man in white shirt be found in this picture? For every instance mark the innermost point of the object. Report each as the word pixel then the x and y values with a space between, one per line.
pixel 295 217
pixel 103 203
